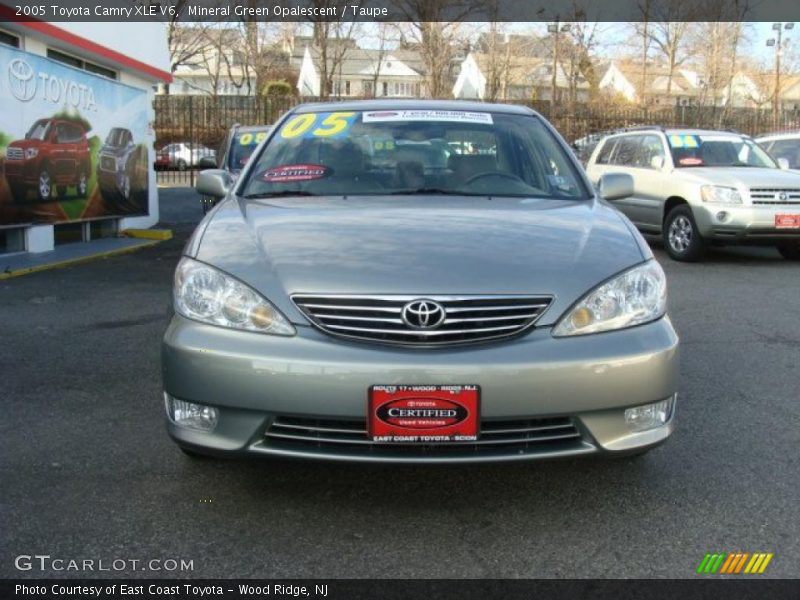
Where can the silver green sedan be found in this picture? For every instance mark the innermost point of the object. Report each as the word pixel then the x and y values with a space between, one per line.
pixel 417 281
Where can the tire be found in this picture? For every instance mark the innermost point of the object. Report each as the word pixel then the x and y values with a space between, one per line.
pixel 790 250
pixel 681 238
pixel 181 165
pixel 44 186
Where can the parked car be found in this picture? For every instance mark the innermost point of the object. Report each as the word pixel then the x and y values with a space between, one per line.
pixel 182 155
pixel 53 156
pixel 696 187
pixel 234 153
pixel 116 164
pixel 497 309
pixel 783 146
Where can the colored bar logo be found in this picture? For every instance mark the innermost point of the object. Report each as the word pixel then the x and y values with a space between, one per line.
pixel 734 563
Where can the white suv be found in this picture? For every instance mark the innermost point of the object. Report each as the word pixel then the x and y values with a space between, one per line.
pixel 696 187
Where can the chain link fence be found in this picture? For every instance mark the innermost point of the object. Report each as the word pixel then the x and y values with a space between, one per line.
pixel 201 122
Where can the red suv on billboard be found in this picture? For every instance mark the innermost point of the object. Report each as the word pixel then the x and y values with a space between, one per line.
pixel 53 155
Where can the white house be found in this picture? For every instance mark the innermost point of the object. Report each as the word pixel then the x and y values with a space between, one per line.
pixel 359 73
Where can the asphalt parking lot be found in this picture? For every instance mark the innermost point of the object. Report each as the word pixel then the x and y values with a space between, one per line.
pixel 88 471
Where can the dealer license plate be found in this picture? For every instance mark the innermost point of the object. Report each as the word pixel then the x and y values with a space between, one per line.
pixel 423 414
pixel 785 221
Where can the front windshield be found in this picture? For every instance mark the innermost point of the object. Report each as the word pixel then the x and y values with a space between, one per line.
pixel 415 151
pixel 717 150
pixel 242 147
pixel 39 130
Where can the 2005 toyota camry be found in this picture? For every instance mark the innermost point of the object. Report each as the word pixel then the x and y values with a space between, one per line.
pixel 417 281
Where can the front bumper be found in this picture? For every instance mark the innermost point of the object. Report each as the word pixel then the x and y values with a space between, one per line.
pixel 744 224
pixel 255 380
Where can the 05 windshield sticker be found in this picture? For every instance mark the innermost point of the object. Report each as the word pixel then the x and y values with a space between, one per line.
pixel 683 141
pixel 249 139
pixel 321 125
pixel 290 173
pixel 456 116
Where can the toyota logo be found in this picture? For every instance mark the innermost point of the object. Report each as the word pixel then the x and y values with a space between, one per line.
pixel 423 314
pixel 782 196
pixel 21 82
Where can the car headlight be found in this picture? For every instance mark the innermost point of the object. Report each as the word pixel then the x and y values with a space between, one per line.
pixel 636 296
pixel 31 152
pixel 717 194
pixel 206 294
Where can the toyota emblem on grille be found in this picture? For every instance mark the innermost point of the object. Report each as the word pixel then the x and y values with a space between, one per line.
pixel 782 196
pixel 423 314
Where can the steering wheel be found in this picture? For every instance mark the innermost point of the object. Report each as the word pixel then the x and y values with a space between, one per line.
pixel 510 176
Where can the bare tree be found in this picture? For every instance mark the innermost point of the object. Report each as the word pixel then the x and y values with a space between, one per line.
pixel 434 28
pixel 582 40
pixel 332 40
pixel 385 37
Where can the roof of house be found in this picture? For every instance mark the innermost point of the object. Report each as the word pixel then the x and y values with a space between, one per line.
pixel 361 62
pixel 523 70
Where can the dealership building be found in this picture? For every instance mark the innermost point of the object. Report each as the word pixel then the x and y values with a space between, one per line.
pixel 76 130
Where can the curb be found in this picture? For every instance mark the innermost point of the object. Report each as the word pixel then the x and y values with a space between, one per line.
pixel 148 234
pixel 75 261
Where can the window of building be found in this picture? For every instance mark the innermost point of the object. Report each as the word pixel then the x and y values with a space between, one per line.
pixel 347 88
pixel 366 86
pixel 78 63
pixel 385 88
pixel 8 40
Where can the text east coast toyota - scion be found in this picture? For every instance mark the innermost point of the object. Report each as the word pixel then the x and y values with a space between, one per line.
pixel 417 281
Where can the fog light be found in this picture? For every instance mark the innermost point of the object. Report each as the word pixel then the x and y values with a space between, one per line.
pixel 722 216
pixel 191 415
pixel 650 416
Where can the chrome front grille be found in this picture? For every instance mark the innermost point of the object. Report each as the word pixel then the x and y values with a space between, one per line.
pixel 14 153
pixel 349 436
pixel 770 196
pixel 381 318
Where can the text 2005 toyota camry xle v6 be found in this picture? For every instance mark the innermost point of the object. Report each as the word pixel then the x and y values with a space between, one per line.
pixel 421 281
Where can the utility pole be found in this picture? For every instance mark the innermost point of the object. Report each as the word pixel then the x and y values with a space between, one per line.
pixel 556 29
pixel 779 43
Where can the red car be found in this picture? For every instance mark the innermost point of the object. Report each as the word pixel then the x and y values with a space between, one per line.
pixel 53 156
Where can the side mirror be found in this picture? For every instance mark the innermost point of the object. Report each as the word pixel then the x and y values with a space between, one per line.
pixel 783 163
pixel 657 162
pixel 615 186
pixel 213 182
pixel 207 162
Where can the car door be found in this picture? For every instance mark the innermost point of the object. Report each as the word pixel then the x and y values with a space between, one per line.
pixel 60 155
pixel 622 159
pixel 650 182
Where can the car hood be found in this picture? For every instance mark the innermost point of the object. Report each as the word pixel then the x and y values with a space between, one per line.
pixel 24 144
pixel 420 245
pixel 742 177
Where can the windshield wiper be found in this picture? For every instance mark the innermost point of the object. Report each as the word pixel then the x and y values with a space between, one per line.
pixel 281 194
pixel 433 191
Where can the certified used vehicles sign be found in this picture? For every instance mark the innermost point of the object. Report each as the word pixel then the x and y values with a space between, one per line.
pixel 423 413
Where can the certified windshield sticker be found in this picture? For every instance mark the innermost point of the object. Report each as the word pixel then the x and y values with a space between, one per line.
pixel 289 173
pixel 320 125
pixel 456 116
pixel 683 141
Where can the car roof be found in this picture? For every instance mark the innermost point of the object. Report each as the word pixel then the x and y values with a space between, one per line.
pixel 781 135
pixel 246 128
pixel 414 105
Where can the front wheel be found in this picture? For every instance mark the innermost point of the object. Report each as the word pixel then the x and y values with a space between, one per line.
pixel 681 238
pixel 790 250
pixel 45 186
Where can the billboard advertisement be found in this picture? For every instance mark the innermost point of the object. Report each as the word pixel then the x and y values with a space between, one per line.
pixel 73 145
